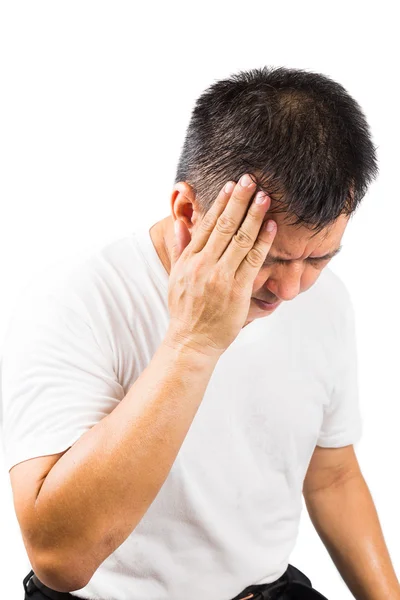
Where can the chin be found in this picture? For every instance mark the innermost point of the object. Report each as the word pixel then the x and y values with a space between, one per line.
pixel 250 319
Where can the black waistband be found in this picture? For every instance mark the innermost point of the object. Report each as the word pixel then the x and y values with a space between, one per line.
pixel 254 591
pixel 291 575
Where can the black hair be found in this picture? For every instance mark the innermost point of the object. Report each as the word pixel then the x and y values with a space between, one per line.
pixel 301 132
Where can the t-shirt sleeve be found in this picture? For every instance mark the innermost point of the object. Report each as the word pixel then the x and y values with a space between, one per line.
pixel 57 382
pixel 342 420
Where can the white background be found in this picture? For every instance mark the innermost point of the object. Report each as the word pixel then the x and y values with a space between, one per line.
pixel 95 100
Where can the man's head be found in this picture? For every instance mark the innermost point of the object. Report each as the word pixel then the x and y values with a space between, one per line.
pixel 301 132
pixel 308 145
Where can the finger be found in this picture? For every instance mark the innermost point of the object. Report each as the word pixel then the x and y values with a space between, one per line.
pixel 253 261
pixel 232 216
pixel 206 227
pixel 176 244
pixel 180 241
pixel 245 237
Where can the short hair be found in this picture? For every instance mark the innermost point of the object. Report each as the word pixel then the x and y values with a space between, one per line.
pixel 301 132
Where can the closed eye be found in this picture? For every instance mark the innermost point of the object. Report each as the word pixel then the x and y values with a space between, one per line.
pixel 319 262
pixel 316 262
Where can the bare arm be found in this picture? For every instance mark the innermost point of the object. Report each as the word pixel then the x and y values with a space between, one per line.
pixel 94 496
pixel 345 517
pixel 98 491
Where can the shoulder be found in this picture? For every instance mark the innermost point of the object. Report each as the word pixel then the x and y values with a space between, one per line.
pixel 81 282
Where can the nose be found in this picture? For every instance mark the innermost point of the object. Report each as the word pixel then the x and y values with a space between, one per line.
pixel 288 294
pixel 287 287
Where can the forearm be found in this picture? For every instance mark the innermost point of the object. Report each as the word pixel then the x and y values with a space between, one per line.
pixel 347 522
pixel 98 491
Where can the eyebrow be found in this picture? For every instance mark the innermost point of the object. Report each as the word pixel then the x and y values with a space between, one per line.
pixel 277 258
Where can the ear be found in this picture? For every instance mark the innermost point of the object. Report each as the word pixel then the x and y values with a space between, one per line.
pixel 183 203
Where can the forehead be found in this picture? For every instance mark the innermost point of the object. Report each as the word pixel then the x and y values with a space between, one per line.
pixel 297 239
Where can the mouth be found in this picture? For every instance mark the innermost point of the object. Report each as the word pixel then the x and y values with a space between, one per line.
pixel 266 305
pixel 267 301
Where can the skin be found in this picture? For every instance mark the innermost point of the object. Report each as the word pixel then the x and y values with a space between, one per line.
pixel 276 282
pixel 337 497
pixel 77 507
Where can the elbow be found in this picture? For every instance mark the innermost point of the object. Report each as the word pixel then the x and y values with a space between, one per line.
pixel 61 576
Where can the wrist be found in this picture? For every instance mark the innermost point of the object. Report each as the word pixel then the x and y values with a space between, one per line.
pixel 187 346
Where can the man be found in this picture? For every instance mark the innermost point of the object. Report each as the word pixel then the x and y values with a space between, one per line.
pixel 161 419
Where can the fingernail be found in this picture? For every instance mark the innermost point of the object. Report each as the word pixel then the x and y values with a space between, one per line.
pixel 270 226
pixel 229 187
pixel 245 180
pixel 260 197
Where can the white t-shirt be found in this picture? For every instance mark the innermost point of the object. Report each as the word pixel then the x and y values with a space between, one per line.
pixel 228 513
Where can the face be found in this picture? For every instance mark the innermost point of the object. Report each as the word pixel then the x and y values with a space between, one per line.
pixel 293 263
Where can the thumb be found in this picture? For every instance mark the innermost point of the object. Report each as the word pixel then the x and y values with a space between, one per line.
pixel 181 240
